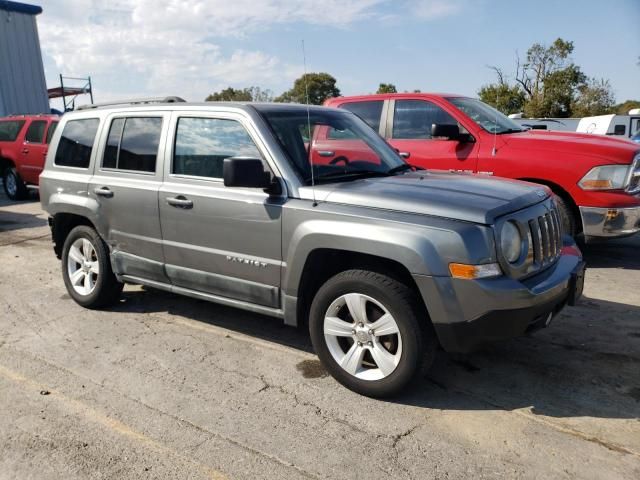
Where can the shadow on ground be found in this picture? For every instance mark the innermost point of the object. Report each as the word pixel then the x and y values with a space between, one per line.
pixel 619 253
pixel 585 364
pixel 17 221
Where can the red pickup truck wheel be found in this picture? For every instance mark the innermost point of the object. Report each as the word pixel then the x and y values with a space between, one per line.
pixel 569 223
pixel 13 185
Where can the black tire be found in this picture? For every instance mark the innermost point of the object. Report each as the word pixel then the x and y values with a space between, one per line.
pixel 569 221
pixel 419 342
pixel 20 190
pixel 107 288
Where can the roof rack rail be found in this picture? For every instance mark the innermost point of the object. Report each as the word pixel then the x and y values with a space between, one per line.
pixel 133 101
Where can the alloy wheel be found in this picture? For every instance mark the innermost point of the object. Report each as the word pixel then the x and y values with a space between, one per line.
pixel 362 336
pixel 83 267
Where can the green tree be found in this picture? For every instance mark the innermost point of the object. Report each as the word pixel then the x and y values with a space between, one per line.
pixel 624 107
pixel 230 94
pixel 548 84
pixel 595 98
pixel 387 88
pixel 251 94
pixel 320 87
pixel 506 98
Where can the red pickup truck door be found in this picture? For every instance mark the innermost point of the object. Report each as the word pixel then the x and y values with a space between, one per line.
pixel 410 133
pixel 33 151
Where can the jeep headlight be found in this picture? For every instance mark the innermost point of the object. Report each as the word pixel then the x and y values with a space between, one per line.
pixel 606 177
pixel 511 242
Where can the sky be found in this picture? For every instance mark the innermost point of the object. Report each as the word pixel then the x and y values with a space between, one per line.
pixel 190 48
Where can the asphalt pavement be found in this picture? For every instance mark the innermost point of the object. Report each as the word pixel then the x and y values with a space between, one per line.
pixel 162 386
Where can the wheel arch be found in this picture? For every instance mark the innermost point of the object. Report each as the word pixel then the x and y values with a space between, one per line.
pixel 5 162
pixel 323 263
pixel 61 225
pixel 562 193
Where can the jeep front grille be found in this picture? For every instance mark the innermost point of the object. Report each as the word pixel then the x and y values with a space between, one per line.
pixel 546 235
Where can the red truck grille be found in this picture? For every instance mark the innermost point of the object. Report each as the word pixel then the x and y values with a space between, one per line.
pixel 546 236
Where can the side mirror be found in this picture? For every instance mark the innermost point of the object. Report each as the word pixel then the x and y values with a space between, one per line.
pixel 245 172
pixel 448 131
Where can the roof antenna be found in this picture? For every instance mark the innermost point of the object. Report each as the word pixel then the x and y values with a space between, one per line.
pixel 306 94
pixel 495 126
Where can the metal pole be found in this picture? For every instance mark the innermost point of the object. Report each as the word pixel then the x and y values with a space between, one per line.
pixel 64 103
pixel 90 90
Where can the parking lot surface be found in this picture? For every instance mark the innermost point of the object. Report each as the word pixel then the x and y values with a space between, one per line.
pixel 162 386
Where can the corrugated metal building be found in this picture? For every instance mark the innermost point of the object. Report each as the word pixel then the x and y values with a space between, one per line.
pixel 22 84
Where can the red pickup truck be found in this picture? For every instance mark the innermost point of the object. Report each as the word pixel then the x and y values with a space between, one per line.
pixel 596 179
pixel 24 140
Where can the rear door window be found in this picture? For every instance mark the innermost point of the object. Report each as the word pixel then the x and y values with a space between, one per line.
pixel 133 144
pixel 370 112
pixel 10 129
pixel 202 144
pixel 76 143
pixel 35 132
pixel 413 119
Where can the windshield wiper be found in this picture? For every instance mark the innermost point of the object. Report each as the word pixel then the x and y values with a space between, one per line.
pixel 511 130
pixel 351 174
pixel 403 167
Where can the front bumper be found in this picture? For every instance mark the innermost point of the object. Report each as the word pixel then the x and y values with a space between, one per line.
pixel 469 313
pixel 610 222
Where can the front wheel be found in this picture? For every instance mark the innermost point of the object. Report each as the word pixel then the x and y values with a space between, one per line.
pixel 567 217
pixel 86 269
pixel 370 333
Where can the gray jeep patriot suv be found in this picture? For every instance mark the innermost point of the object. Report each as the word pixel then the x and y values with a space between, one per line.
pixel 234 203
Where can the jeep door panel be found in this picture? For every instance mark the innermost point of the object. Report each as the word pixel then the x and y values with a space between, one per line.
pixel 219 240
pixel 125 184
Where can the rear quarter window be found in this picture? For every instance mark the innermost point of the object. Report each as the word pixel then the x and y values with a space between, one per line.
pixel 76 143
pixel 52 128
pixel 10 129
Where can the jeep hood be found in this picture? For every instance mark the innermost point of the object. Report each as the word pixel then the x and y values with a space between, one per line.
pixel 472 198
pixel 606 148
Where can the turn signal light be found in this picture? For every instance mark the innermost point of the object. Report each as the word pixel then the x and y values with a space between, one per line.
pixel 472 272
pixel 597 184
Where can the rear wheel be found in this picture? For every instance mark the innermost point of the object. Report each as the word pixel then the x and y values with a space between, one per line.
pixel 86 269
pixel 14 187
pixel 370 333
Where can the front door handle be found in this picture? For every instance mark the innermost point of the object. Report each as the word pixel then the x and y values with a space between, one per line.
pixel 103 192
pixel 180 202
pixel 25 150
pixel 326 153
pixel 404 154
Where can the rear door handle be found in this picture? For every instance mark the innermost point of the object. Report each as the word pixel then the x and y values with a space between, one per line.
pixel 326 153
pixel 103 192
pixel 404 154
pixel 180 202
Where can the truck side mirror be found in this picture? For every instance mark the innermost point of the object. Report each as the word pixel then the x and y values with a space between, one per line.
pixel 245 172
pixel 448 131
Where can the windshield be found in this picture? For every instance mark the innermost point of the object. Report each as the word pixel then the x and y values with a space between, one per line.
pixel 339 145
pixel 486 116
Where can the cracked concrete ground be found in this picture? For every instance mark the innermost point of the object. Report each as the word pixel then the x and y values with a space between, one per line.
pixel 162 386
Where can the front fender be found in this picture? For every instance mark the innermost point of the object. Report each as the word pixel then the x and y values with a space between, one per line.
pixel 421 249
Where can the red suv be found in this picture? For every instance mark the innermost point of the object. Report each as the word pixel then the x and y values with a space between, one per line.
pixel 596 179
pixel 24 140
